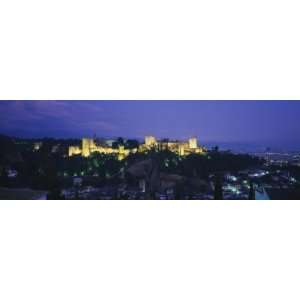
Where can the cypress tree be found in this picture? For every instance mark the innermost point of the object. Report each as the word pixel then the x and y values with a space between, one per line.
pixel 4 178
pixel 251 192
pixel 218 192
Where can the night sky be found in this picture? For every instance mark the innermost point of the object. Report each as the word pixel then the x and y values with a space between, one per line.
pixel 273 122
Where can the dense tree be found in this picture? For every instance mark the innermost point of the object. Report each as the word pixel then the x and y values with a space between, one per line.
pixel 179 191
pixel 131 144
pixel 4 180
pixel 251 192
pixel 218 191
pixel 118 142
pixel 215 149
pixel 50 170
pixel 55 194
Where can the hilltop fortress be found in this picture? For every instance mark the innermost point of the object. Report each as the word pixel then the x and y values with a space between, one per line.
pixel 89 146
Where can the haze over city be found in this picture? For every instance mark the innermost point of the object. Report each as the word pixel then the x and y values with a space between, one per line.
pixel 260 122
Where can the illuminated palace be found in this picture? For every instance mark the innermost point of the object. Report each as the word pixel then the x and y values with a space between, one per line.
pixel 89 146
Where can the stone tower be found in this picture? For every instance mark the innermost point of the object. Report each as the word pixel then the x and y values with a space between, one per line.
pixel 150 141
pixel 87 145
pixel 193 143
pixel 181 150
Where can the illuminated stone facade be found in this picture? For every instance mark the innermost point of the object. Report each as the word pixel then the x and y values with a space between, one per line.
pixel 181 148
pixel 74 150
pixel 88 146
pixel 150 141
pixel 193 143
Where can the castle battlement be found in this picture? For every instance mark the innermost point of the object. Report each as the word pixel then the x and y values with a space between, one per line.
pixel 88 146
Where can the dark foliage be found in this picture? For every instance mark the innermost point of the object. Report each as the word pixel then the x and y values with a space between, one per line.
pixel 218 191
pixel 251 192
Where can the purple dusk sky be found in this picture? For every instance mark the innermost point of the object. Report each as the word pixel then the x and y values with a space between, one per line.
pixel 222 121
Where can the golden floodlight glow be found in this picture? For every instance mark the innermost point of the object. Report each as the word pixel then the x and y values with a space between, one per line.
pixel 88 146
pixel 150 141
pixel 193 143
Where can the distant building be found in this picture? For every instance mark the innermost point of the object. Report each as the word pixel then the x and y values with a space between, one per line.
pixel 55 148
pixel 37 146
pixel 12 173
pixel 89 146
pixel 179 147
pixel 74 150
pixel 193 143
pixel 150 141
